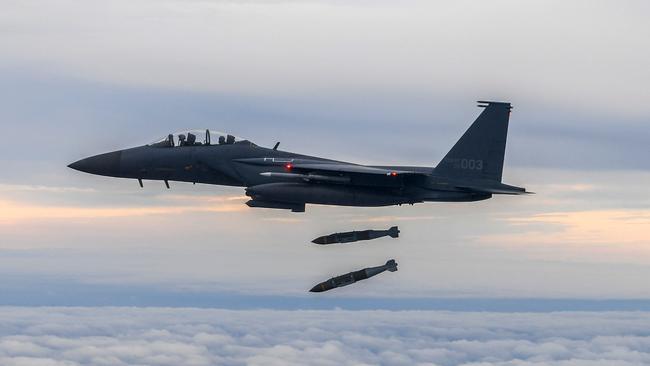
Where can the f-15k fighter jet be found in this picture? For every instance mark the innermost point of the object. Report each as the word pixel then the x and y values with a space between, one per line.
pixel 471 170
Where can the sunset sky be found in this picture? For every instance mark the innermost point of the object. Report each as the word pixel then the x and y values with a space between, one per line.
pixel 374 82
pixel 360 81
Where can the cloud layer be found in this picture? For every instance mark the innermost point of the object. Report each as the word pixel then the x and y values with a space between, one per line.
pixel 158 336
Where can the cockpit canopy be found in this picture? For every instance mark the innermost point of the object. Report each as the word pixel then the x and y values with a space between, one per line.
pixel 198 138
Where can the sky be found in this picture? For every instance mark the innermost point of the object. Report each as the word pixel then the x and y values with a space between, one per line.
pixel 368 82
pixel 98 271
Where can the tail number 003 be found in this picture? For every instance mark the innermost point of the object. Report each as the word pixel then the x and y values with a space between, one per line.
pixel 471 164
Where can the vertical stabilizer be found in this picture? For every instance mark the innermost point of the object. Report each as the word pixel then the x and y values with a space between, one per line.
pixel 479 153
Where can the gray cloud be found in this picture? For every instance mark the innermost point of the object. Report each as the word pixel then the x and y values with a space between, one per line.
pixel 576 73
pixel 75 119
pixel 158 336
pixel 572 53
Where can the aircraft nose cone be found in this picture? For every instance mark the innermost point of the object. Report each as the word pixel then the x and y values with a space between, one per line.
pixel 103 164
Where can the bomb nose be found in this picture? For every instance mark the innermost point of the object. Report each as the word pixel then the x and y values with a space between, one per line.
pixel 318 288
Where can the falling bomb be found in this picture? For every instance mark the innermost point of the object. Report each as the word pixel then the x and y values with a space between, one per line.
pixel 352 277
pixel 352 236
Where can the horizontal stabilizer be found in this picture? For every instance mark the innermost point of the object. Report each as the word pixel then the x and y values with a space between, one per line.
pixel 493 188
pixel 294 207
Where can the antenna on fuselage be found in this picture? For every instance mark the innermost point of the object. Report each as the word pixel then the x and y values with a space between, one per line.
pixel 276 145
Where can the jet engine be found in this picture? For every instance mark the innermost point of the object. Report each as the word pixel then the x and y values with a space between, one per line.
pixel 324 194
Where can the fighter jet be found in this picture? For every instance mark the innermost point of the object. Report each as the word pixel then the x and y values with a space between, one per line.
pixel 352 277
pixel 471 170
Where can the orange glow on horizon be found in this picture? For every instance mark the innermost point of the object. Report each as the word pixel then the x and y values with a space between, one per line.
pixel 623 230
pixel 13 212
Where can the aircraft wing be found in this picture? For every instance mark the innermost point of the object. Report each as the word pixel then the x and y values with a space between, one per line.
pixel 342 168
pixel 344 173
pixel 308 170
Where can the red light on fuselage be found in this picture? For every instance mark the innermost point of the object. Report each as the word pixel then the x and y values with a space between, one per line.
pixel 288 166
pixel 393 174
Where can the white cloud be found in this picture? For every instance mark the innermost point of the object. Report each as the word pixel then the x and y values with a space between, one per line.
pixel 163 336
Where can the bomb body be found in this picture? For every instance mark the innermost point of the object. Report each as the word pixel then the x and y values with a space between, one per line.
pixel 352 277
pixel 353 236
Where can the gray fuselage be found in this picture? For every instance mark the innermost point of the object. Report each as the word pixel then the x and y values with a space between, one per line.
pixel 242 164
pixel 471 170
